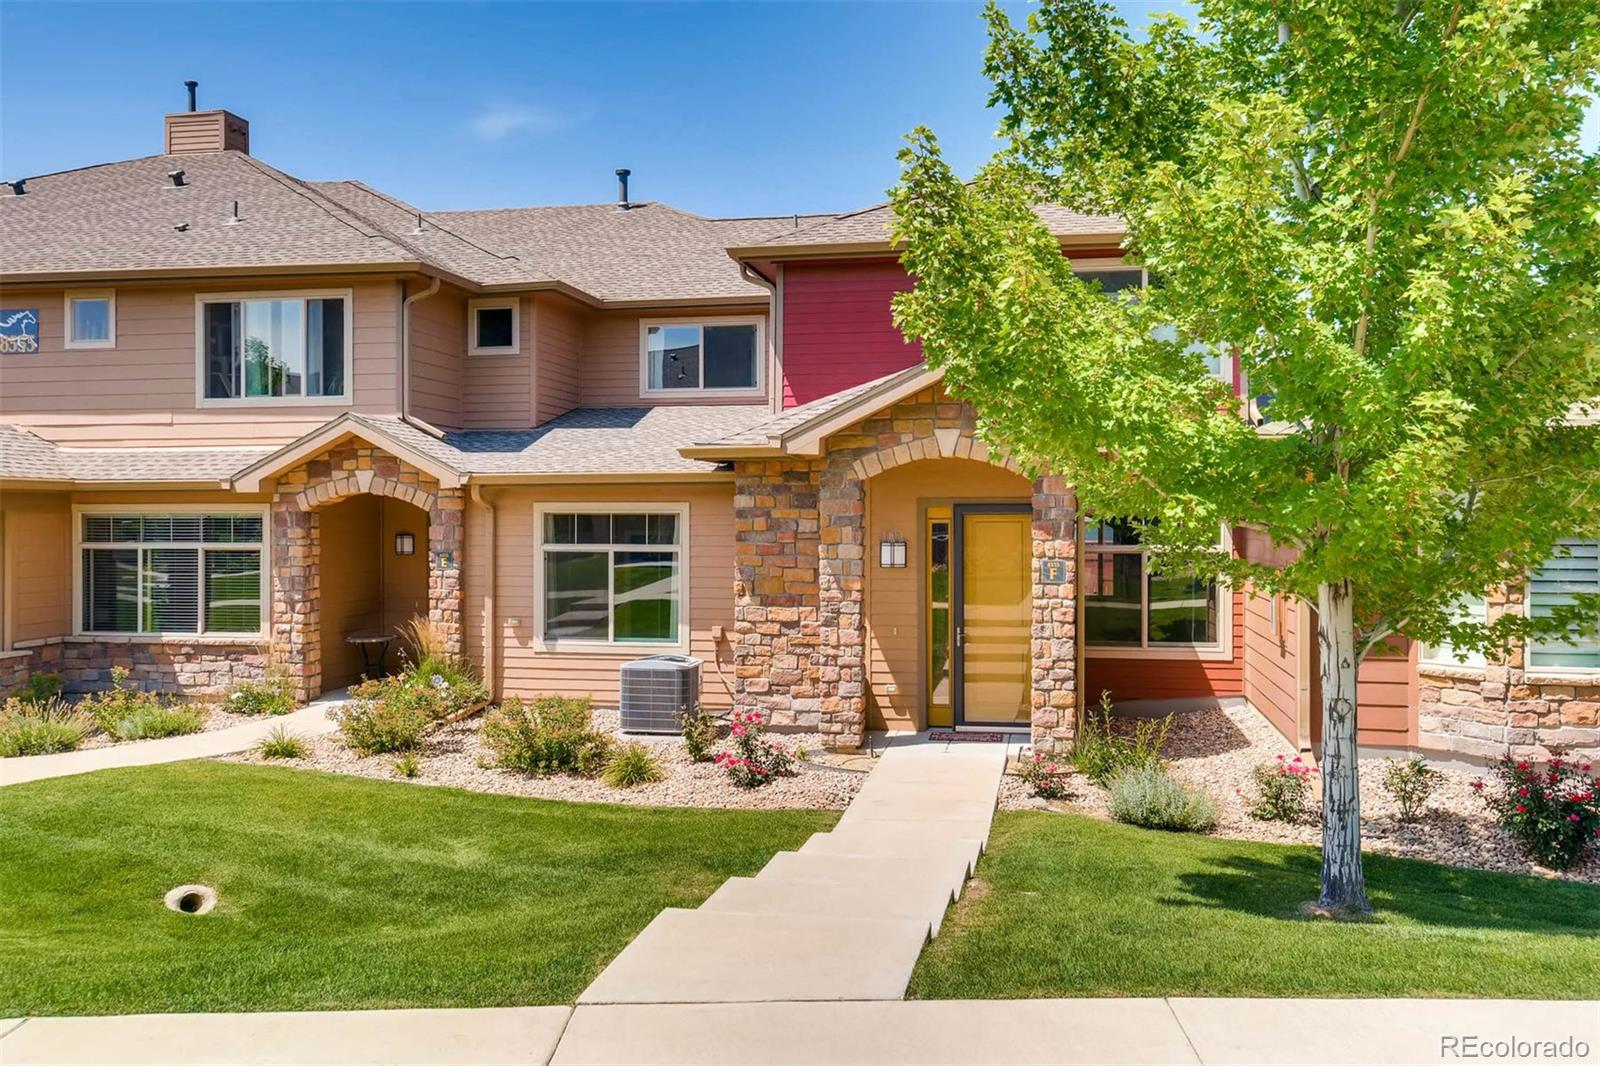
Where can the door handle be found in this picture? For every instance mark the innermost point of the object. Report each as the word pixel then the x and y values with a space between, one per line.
pixel 961 635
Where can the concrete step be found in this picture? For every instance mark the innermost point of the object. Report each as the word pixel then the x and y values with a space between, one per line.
pixel 829 899
pixel 879 807
pixel 906 829
pixel 886 839
pixel 881 873
pixel 707 956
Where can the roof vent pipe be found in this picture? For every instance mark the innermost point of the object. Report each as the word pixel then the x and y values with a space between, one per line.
pixel 17 186
pixel 622 188
pixel 192 86
pixel 177 177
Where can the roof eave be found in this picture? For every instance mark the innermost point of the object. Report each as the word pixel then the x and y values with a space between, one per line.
pixel 180 273
pixel 855 249
pixel 330 433
pixel 508 478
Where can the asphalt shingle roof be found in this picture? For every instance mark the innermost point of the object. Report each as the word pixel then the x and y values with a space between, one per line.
pixel 26 457
pixel 873 225
pixel 769 429
pixel 590 440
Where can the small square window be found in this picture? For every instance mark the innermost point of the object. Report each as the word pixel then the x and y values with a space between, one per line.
pixel 494 327
pixel 91 320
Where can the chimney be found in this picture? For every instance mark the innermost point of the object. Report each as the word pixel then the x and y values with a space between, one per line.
pixel 622 188
pixel 205 131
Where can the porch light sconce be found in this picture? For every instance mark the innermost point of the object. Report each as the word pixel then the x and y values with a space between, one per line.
pixel 405 544
pixel 892 551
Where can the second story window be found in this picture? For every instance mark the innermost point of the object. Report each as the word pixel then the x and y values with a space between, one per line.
pixel 275 347
pixel 91 319
pixel 715 356
pixel 493 327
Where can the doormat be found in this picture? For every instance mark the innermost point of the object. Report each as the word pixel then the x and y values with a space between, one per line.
pixel 951 735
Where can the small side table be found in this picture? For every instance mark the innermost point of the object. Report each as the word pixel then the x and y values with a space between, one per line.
pixel 367 642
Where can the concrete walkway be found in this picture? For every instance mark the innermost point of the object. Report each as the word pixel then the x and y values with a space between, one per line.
pixel 310 720
pixel 1207 1031
pixel 844 917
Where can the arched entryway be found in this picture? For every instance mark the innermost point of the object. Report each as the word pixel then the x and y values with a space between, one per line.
pixel 374 581
pixel 335 521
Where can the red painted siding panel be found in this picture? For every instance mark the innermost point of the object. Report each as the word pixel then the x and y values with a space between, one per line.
pixel 838 327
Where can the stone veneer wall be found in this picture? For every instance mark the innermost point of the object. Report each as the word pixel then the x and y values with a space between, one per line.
pixel 207 668
pixel 1483 712
pixel 800 559
pixel 345 470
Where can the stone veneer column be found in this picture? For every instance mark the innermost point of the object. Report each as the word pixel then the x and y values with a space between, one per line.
pixel 1055 615
pixel 777 637
pixel 840 570
pixel 446 541
pixel 296 586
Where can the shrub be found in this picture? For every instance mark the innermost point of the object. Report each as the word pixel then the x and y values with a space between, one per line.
pixel 272 696
pixel 40 728
pixel 1044 778
pixel 633 764
pixel 152 722
pixel 1101 751
pixel 41 688
pixel 121 702
pixel 1410 783
pixel 281 743
pixel 377 722
pixel 754 760
pixel 1148 796
pixel 549 735
pixel 700 735
pixel 1282 787
pixel 1553 811
pixel 408 765
pixel 427 639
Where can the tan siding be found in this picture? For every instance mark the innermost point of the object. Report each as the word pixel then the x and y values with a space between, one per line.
pixel 1271 662
pixel 895 598
pixel 559 323
pixel 38 565
pixel 351 594
pixel 405 577
pixel 525 671
pixel 143 390
pixel 499 388
pixel 438 339
pixel 609 368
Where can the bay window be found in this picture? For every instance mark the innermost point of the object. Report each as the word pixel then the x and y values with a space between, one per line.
pixel 612 576
pixel 718 356
pixel 1130 605
pixel 191 572
pixel 275 347
pixel 1574 570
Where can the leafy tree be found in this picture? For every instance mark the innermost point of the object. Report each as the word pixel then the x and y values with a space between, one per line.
pixel 1382 211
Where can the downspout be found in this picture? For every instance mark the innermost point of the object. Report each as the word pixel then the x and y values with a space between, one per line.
pixel 490 628
pixel 405 344
pixel 775 302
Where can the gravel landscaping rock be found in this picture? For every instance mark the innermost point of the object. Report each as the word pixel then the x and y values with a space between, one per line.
pixel 1216 749
pixel 454 755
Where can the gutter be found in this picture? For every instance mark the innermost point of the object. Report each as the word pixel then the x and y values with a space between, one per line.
pixel 775 316
pixel 405 341
pixel 490 623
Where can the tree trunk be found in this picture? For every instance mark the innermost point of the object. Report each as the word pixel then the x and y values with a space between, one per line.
pixel 1344 887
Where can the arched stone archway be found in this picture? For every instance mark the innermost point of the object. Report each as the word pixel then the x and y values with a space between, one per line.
pixel 800 580
pixel 349 468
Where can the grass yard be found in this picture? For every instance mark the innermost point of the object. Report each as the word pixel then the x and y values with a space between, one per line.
pixel 337 892
pixel 1073 906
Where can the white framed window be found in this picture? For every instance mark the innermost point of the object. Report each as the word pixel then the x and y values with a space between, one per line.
pixel 721 356
pixel 273 348
pixel 91 318
pixel 610 575
pixel 1132 610
pixel 192 571
pixel 1468 609
pixel 494 327
pixel 1573 570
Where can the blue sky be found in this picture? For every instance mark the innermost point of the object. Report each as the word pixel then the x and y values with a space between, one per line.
pixel 725 108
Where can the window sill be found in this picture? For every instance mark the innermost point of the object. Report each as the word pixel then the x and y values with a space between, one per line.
pixel 212 639
pixel 1577 676
pixel 757 393
pixel 491 352
pixel 1454 671
pixel 275 401
pixel 88 346
pixel 1215 655
pixel 601 647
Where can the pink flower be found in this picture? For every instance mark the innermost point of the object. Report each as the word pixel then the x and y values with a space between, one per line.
pixel 1478 785
pixel 1573 817
pixel 1523 791
pixel 1521 809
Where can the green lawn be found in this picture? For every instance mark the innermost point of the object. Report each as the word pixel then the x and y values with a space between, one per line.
pixel 337 891
pixel 1068 905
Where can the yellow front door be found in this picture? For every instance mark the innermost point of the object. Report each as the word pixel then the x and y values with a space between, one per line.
pixel 995 616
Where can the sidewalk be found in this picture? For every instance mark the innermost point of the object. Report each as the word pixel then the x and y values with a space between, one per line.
pixel 310 720
pixel 1207 1031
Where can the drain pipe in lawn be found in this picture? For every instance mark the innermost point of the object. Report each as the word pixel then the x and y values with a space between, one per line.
pixel 490 634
